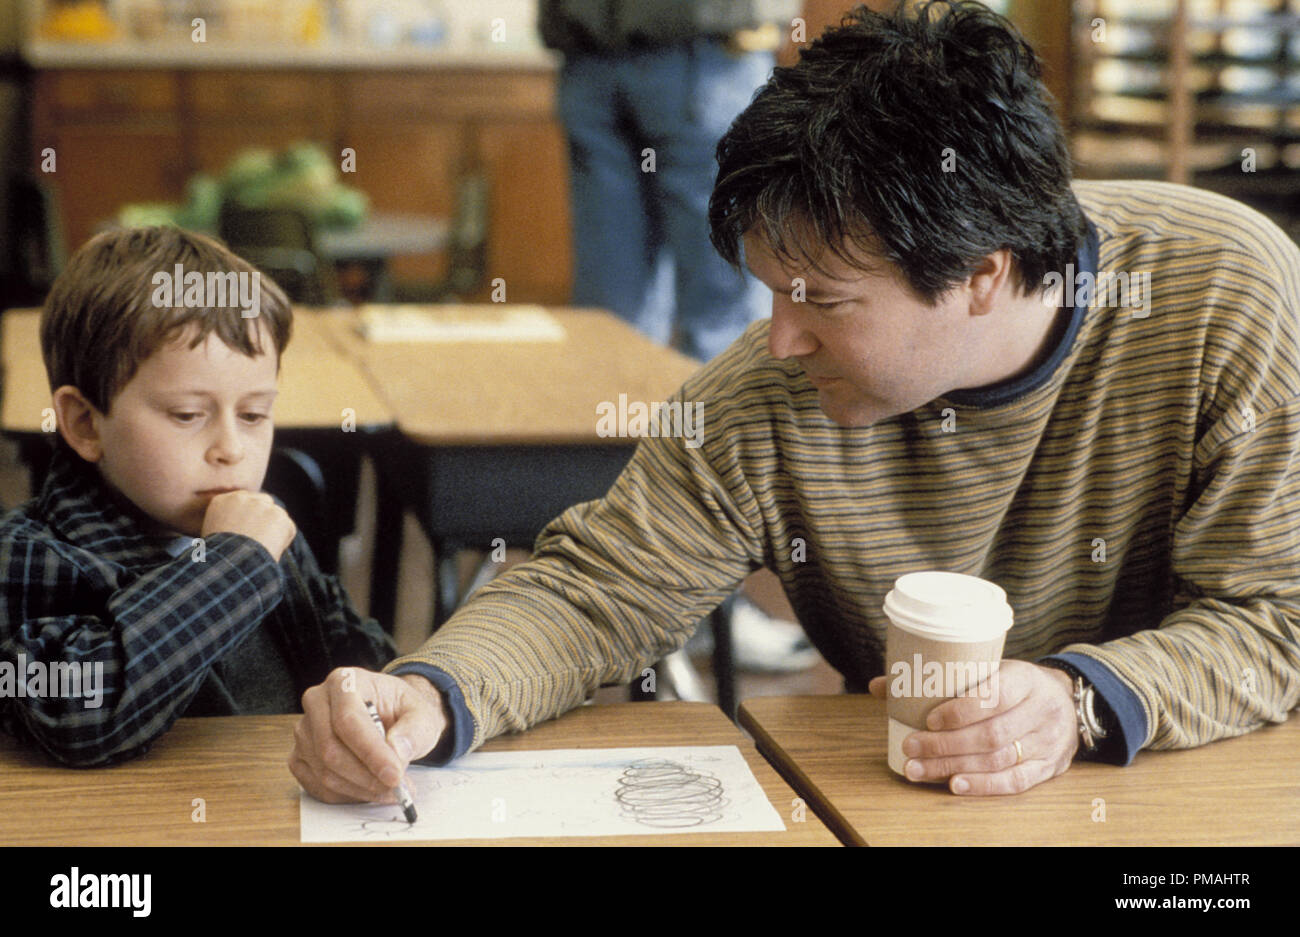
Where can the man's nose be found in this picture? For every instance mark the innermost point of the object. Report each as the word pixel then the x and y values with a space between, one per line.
pixel 789 336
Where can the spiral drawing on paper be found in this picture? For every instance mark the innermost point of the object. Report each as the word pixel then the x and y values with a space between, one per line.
pixel 669 795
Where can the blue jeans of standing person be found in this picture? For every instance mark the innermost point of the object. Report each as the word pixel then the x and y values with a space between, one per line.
pixel 641 238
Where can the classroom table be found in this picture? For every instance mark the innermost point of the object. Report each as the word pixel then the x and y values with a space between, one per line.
pixel 380 237
pixel 317 383
pixel 1241 791
pixel 497 438
pixel 236 765
pixel 323 397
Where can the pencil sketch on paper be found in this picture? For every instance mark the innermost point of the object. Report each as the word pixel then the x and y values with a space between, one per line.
pixel 669 795
pixel 389 827
pixel 553 793
pixel 393 823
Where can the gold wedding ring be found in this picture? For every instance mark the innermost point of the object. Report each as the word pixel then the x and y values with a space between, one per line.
pixel 1020 752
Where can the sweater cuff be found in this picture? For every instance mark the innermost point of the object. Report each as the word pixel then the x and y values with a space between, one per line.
pixel 1123 702
pixel 459 734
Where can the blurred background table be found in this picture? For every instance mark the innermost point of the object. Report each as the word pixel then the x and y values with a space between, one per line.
pixel 497 438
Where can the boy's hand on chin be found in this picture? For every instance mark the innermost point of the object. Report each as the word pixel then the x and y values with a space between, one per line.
pixel 253 514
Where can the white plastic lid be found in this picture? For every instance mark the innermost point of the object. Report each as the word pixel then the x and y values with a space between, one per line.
pixel 949 606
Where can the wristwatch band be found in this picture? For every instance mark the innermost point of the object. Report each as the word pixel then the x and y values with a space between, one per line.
pixel 1092 727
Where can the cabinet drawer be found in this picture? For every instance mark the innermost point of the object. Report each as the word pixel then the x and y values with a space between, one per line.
pixel 223 94
pixel 113 93
pixel 448 94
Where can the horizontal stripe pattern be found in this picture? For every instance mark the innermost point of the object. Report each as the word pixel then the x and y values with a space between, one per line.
pixel 1140 506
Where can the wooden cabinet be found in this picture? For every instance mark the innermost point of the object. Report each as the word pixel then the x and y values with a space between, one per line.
pixel 227 111
pixel 110 131
pixel 260 96
pixel 96 164
pixel 137 135
pixel 109 95
pixel 410 167
pixel 523 158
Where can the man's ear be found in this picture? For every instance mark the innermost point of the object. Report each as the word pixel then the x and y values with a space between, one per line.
pixel 987 280
pixel 78 422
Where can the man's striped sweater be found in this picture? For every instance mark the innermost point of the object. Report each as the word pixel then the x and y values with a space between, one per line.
pixel 1137 495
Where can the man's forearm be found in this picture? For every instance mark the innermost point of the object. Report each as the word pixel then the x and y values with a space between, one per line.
pixel 1208 673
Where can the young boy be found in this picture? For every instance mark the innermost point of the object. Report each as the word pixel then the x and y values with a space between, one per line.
pixel 151 579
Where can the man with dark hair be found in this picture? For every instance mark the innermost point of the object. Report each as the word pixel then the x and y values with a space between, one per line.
pixel 1088 393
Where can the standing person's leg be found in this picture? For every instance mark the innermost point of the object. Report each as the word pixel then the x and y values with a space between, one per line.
pixel 686 100
pixel 619 261
pixel 683 99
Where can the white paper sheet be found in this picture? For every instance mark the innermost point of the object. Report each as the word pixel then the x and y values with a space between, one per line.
pixel 562 792
pixel 483 323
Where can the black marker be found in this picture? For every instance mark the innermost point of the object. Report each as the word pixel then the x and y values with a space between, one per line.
pixel 403 795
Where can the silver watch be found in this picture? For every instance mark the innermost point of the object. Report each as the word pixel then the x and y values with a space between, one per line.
pixel 1090 727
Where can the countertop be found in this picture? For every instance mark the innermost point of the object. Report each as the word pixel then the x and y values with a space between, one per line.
pixel 330 55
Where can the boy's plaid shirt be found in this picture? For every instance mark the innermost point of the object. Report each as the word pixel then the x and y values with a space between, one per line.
pixel 82 581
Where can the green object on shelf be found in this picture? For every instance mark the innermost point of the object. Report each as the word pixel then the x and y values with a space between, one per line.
pixel 347 208
pixel 147 214
pixel 203 197
pixel 301 178
pixel 249 167
pixel 304 156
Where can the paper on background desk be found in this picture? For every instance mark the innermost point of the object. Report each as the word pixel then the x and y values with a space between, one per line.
pixel 562 792
pixel 487 322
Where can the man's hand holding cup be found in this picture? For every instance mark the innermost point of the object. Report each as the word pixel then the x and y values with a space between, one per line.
pixel 957 711
pixel 974 748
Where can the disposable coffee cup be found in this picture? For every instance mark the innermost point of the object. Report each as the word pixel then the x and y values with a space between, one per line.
pixel 944 638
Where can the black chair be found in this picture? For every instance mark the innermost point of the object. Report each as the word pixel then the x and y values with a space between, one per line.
pixel 33 239
pixel 281 243
pixel 433 485
pixel 296 479
pixel 292 475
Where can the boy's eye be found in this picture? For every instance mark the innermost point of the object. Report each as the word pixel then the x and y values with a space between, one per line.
pixel 255 418
pixel 185 416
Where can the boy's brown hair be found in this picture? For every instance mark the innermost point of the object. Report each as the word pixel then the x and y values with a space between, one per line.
pixel 100 321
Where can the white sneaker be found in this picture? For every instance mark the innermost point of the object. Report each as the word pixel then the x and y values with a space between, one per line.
pixel 760 643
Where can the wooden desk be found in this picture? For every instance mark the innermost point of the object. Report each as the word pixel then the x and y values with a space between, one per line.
pixel 237 765
pixel 514 393
pixel 382 235
pixel 832 750
pixel 316 382
pixel 498 438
